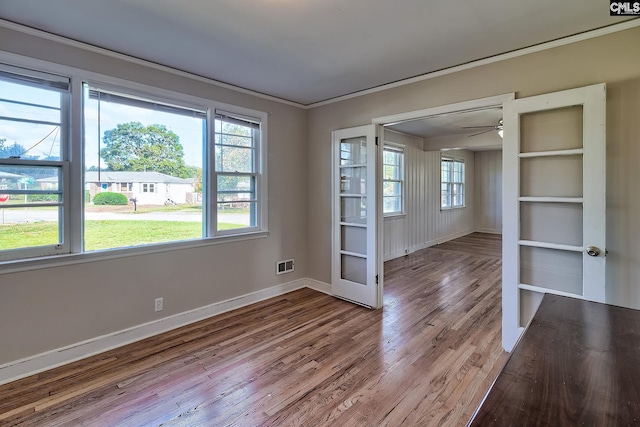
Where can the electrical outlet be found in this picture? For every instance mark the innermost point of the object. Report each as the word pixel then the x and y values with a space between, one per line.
pixel 159 303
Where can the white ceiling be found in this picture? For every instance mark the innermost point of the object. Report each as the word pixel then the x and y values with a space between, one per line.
pixel 450 123
pixel 308 51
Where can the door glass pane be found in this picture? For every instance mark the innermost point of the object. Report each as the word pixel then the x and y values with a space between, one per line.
pixel 353 180
pixel 551 130
pixel 557 176
pixel 353 209
pixel 551 269
pixel 353 151
pixel 354 269
pixel 551 222
pixel 354 239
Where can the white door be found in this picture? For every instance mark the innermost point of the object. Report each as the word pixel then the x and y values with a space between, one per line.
pixel 554 158
pixel 355 266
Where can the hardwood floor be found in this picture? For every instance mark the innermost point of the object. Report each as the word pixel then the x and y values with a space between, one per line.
pixel 303 359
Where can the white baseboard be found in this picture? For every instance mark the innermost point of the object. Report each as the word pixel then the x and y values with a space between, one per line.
pixel 489 230
pixel 428 244
pixel 51 359
pixel 318 285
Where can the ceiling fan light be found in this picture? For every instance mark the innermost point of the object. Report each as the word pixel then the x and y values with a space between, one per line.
pixel 500 133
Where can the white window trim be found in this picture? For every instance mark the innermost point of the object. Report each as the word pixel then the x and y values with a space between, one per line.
pixel 74 177
pixel 402 181
pixel 464 183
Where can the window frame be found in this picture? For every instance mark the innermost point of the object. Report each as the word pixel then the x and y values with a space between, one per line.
pixel 451 182
pixel 63 246
pixel 398 148
pixel 73 172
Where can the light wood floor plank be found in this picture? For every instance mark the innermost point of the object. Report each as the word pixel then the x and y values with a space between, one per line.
pixel 303 358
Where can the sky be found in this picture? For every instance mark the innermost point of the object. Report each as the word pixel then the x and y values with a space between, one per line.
pixel 111 114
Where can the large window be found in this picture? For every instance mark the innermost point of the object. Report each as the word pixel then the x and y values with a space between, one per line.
pixel 146 166
pixel 33 169
pixel 393 180
pixel 452 183
pixel 156 147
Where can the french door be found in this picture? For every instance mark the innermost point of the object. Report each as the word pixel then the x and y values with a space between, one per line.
pixel 356 267
pixel 554 158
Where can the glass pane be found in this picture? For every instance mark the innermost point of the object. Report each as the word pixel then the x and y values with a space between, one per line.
pixel 235 140
pixel 236 183
pixel 354 239
pixel 234 215
pixel 354 269
pixel 225 127
pixel 559 129
pixel 234 159
pixel 235 197
pixel 22 177
pixel 353 180
pixel 391 188
pixel 353 209
pixel 392 204
pixel 143 175
pixel 551 222
pixel 29 227
pixel 353 151
pixel 551 269
pixel 391 172
pixel 30 140
pixel 558 176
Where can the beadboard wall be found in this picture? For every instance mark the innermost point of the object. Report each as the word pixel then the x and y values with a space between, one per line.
pixel 424 224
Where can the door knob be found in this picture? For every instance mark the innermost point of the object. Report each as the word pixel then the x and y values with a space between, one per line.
pixel 593 251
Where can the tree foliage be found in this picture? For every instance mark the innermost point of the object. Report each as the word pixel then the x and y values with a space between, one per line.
pixel 134 147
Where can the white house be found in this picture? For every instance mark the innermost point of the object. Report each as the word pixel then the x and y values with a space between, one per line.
pixel 148 188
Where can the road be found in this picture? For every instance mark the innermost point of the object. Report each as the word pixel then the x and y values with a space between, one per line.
pixel 20 215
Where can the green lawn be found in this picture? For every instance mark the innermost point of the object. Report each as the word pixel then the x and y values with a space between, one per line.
pixel 104 234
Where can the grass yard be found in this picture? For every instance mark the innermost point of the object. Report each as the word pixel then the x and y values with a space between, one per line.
pixel 104 234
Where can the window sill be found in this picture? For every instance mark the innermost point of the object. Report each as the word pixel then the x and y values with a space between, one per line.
pixel 452 208
pixel 395 216
pixel 14 266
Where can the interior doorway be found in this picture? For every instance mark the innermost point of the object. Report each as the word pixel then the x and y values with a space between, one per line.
pixel 452 181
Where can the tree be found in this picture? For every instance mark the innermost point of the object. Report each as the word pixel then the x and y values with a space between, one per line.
pixel 13 150
pixel 134 147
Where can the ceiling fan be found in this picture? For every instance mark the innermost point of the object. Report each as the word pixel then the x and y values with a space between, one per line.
pixel 489 128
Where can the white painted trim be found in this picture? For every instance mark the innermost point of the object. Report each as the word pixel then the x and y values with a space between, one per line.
pixel 428 244
pixel 493 59
pixel 489 230
pixel 572 152
pixel 51 359
pixel 546 245
pixel 121 56
pixel 542 290
pixel 471 105
pixel 317 285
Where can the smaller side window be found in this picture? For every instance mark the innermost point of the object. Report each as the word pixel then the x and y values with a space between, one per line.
pixel 452 183
pixel 393 180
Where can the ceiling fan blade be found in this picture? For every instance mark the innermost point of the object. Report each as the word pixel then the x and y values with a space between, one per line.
pixel 480 133
pixel 477 127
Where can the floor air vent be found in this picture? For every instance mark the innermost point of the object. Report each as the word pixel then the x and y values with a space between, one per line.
pixel 285 266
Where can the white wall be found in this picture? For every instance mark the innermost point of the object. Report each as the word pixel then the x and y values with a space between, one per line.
pixel 488 186
pixel 424 224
